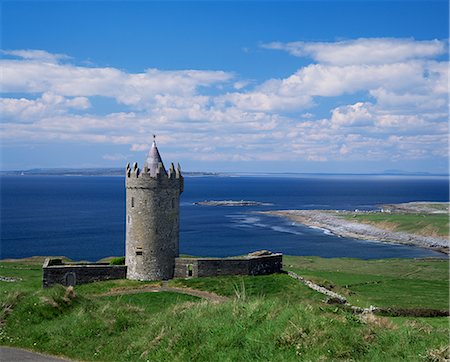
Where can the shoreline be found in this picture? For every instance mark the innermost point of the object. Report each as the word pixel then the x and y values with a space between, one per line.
pixel 325 219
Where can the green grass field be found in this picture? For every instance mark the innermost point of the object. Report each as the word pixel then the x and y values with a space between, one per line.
pixel 275 286
pixel 401 283
pixel 268 318
pixel 422 224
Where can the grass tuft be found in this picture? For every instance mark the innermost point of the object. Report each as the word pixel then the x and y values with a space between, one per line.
pixel 439 354
pixel 117 261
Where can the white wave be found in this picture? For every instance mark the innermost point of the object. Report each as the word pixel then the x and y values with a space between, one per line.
pixel 238 225
pixel 325 231
pixel 244 219
pixel 286 230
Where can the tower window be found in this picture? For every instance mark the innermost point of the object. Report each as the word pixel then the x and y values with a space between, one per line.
pixel 139 250
pixel 129 219
pixel 132 202
pixel 173 203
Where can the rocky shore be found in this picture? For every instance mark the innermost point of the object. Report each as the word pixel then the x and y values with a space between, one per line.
pixel 330 220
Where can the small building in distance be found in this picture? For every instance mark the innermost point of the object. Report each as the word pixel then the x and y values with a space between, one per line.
pixel 152 222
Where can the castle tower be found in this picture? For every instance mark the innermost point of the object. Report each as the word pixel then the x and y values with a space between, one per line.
pixel 152 218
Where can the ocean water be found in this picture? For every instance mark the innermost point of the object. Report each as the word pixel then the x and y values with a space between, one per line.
pixel 84 217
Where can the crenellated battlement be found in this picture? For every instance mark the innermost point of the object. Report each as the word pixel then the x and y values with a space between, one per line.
pixel 142 178
pixel 135 171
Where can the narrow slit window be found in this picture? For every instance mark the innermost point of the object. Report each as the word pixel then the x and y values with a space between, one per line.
pixel 139 250
pixel 132 202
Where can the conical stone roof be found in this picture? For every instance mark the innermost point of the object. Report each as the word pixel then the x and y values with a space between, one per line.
pixel 153 160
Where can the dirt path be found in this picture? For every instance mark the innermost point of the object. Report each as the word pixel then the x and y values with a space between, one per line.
pixel 215 298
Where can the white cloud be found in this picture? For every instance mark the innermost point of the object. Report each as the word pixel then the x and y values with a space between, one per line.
pixel 136 89
pixel 363 51
pixel 355 115
pixel 241 84
pixel 376 119
pixel 401 114
pixel 139 147
pixel 26 110
pixel 115 157
pixel 267 100
pixel 298 91
pixel 405 101
pixel 33 54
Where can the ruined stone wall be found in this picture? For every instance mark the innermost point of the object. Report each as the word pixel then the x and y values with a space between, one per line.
pixel 218 267
pixel 182 266
pixel 55 272
pixel 152 223
pixel 265 264
pixel 208 267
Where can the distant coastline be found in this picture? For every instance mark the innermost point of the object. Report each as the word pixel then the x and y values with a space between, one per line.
pixel 334 222
pixel 102 171
pixel 85 172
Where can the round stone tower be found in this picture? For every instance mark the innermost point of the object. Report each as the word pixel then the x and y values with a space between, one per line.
pixel 152 218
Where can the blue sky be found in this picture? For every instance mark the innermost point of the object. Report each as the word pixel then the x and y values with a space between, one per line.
pixel 298 86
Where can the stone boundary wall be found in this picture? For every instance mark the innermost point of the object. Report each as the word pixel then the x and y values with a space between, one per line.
pixel 335 296
pixel 209 267
pixel 56 272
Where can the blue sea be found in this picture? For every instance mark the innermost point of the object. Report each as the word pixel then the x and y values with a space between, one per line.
pixel 83 217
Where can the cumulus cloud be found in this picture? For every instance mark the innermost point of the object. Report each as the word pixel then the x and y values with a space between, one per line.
pixel 375 119
pixel 317 80
pixel 398 108
pixel 363 51
pixel 354 115
pixel 26 110
pixel 136 89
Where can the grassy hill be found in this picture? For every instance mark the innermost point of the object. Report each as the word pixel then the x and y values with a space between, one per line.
pixel 436 225
pixel 267 318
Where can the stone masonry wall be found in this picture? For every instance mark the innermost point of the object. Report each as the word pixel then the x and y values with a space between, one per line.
pixel 208 267
pixel 70 274
pixel 269 264
pixel 152 224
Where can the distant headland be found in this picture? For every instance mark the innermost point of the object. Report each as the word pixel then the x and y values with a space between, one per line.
pixel 118 171
pixel 84 172
pixel 423 224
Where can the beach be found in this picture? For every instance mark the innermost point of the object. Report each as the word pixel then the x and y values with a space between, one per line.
pixel 334 222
